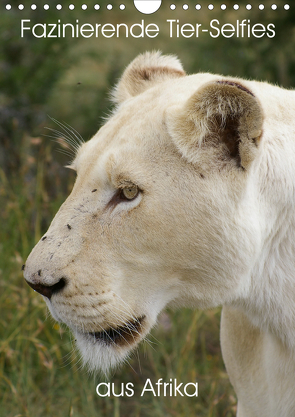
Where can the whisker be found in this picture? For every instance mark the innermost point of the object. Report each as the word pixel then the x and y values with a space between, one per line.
pixel 131 324
pixel 126 361
pixel 74 135
pixel 138 358
pixel 67 137
pixel 63 140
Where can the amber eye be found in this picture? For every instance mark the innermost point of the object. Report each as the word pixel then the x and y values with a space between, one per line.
pixel 130 192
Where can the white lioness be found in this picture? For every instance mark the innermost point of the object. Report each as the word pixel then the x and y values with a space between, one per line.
pixel 184 197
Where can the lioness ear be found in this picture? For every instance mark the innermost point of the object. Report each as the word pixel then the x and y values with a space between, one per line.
pixel 145 71
pixel 223 119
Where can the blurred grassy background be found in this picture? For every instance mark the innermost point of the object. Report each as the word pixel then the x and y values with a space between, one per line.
pixel 69 80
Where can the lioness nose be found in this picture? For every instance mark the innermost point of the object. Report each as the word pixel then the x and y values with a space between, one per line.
pixel 48 290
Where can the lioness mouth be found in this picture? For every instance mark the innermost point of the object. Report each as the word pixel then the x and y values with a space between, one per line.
pixel 121 335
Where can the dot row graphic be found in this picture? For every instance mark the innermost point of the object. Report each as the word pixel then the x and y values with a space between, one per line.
pixel 59 7
pixel 172 7
pixel 235 6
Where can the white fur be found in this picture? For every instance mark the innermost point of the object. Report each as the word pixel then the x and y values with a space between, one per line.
pixel 213 224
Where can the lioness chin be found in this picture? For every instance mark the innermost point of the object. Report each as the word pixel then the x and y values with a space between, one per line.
pixel 184 197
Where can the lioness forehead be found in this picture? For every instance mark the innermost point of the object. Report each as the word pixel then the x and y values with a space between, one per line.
pixel 137 126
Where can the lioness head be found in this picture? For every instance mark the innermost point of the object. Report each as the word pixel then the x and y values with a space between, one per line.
pixel 161 212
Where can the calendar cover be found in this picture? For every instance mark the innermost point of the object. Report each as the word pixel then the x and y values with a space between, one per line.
pixel 147 197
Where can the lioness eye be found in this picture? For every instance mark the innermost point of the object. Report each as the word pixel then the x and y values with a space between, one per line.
pixel 130 192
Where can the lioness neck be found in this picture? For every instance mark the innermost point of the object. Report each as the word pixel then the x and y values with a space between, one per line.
pixel 270 303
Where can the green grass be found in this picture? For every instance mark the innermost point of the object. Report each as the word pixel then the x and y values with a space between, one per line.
pixel 40 371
